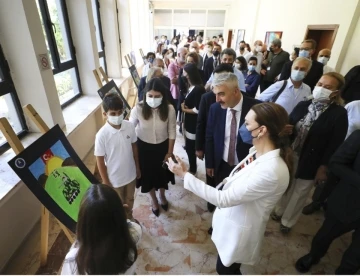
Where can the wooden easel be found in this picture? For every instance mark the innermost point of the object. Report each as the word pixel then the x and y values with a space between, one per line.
pixel 18 147
pixel 142 56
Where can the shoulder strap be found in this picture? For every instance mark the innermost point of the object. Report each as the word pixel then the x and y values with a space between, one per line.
pixel 277 95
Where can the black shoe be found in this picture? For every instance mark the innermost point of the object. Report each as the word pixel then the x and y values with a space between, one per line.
pixel 311 208
pixel 165 206
pixel 156 212
pixel 284 229
pixel 210 231
pixel 275 216
pixel 211 207
pixel 304 264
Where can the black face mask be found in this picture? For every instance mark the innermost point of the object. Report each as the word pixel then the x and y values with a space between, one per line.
pixel 216 53
pixel 242 48
pixel 272 50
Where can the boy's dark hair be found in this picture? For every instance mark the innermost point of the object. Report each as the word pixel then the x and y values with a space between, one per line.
pixel 253 58
pixel 150 54
pixel 112 101
pixel 224 67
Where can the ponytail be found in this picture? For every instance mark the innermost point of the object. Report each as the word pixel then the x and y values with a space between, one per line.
pixel 286 153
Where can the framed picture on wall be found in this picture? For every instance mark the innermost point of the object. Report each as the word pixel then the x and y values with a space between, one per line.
pixel 270 36
pixel 240 35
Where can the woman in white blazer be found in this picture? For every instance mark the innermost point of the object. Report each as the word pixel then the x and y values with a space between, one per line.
pixel 246 198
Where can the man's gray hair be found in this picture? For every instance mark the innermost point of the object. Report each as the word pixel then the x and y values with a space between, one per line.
pixel 157 59
pixel 308 61
pixel 229 52
pixel 227 78
pixel 276 42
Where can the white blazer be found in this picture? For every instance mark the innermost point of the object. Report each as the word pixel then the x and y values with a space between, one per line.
pixel 244 205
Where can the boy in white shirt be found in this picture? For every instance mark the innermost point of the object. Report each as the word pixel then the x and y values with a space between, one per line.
pixel 116 151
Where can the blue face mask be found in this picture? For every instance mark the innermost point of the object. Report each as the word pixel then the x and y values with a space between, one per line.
pixel 251 68
pixel 304 53
pixel 297 75
pixel 150 60
pixel 245 134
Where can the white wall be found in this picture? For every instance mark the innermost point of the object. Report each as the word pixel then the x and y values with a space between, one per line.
pixel 292 17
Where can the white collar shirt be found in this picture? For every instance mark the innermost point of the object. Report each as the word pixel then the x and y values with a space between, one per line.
pixel 290 97
pixel 116 147
pixel 353 111
pixel 229 115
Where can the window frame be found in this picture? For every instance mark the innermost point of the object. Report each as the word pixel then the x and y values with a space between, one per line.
pixel 7 87
pixel 59 66
pixel 102 52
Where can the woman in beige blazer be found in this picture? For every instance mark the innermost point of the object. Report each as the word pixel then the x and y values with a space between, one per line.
pixel 246 198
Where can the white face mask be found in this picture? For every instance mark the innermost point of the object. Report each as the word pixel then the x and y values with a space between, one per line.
pixel 115 120
pixel 323 60
pixel 192 50
pixel 237 65
pixel 169 55
pixel 258 48
pixel 321 94
pixel 153 102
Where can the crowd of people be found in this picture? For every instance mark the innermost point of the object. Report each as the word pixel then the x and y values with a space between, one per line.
pixel 270 126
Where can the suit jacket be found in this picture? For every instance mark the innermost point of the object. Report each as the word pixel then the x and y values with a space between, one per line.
pixel 206 101
pixel 350 92
pixel 311 79
pixel 244 206
pixel 324 137
pixel 209 68
pixel 344 201
pixel 215 134
pixel 193 101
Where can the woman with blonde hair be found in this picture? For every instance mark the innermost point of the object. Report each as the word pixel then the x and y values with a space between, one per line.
pixel 320 126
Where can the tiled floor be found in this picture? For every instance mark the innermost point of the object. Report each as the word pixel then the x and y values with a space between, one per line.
pixel 177 242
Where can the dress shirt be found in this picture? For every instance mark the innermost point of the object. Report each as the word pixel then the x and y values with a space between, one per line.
pixel 259 57
pixel 238 74
pixel 353 111
pixel 289 98
pixel 238 54
pixel 328 69
pixel 253 81
pixel 229 115
pixel 173 72
pixel 154 130
pixel 145 70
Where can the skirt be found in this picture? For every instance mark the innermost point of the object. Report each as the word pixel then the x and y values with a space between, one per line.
pixel 153 175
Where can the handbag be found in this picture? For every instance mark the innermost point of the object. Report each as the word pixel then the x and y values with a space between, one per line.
pixel 277 95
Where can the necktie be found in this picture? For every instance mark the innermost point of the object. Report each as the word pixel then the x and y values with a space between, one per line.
pixel 231 155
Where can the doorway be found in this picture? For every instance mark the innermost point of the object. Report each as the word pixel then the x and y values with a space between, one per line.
pixel 230 37
pixel 324 35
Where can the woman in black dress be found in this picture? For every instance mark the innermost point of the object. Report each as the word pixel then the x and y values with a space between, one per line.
pixel 155 124
pixel 190 107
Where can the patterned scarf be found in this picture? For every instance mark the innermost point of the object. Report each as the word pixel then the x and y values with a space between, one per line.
pixel 315 109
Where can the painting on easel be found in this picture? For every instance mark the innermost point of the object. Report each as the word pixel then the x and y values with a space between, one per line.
pixel 135 75
pixel 111 87
pixel 55 174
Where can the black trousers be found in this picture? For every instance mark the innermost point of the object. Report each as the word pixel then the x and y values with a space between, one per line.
pixel 331 229
pixel 234 269
pixel 223 171
pixel 190 150
pixel 323 191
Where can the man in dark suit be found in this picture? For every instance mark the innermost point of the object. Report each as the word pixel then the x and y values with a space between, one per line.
pixel 343 213
pixel 212 62
pixel 224 148
pixel 351 90
pixel 307 49
pixel 207 100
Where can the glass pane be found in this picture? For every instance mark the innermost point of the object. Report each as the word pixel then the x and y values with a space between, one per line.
pixel 197 18
pixel 7 110
pixel 162 18
pixel 66 85
pixel 59 29
pixel 211 33
pixel 97 26
pixel 181 17
pixel 169 33
pixel 46 38
pixel 216 19
pixel 102 62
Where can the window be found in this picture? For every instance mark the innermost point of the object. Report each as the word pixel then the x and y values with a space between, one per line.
pixel 99 35
pixel 10 106
pixel 55 22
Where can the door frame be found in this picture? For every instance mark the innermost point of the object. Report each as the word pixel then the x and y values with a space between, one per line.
pixel 330 27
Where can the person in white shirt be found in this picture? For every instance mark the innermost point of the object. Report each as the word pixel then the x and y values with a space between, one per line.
pixel 228 56
pixel 323 57
pixel 155 44
pixel 150 58
pixel 256 52
pixel 116 151
pixel 245 199
pixel 105 241
pixel 242 49
pixel 289 93
pixel 155 123
pixel 353 111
